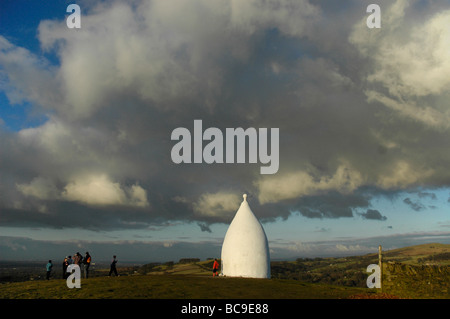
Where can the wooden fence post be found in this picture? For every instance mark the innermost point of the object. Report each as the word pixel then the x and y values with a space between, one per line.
pixel 381 268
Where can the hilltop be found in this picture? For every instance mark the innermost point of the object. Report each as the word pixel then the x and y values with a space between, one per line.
pixel 175 287
pixel 343 277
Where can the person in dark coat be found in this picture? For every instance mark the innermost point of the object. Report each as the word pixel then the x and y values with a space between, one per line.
pixel 87 263
pixel 113 268
pixel 65 264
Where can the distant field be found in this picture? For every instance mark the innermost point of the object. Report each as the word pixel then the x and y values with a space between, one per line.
pixel 427 254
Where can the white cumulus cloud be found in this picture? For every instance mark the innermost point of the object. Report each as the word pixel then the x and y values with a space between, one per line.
pixel 100 190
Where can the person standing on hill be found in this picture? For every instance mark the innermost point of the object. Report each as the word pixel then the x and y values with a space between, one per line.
pixel 65 265
pixel 77 259
pixel 113 266
pixel 49 269
pixel 215 267
pixel 87 263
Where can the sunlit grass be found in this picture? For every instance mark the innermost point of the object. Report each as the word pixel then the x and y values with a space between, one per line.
pixel 174 287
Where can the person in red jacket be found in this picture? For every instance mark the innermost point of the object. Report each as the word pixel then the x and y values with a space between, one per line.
pixel 215 267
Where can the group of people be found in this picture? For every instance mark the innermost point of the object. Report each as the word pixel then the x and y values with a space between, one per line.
pixel 77 260
pixel 82 262
pixel 86 261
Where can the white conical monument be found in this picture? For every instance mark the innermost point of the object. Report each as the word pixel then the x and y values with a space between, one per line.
pixel 245 250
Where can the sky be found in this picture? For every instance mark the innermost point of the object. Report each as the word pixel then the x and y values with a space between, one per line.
pixel 87 115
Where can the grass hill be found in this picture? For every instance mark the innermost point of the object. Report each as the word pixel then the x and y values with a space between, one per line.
pixel 304 278
pixel 175 287
pixel 175 281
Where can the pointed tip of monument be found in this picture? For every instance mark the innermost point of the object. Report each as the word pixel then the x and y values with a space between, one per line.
pixel 245 197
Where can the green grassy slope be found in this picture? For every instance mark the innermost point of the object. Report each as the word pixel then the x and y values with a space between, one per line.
pixel 175 287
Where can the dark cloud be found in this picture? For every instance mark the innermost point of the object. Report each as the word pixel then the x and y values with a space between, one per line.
pixel 350 118
pixel 373 214
pixel 204 227
pixel 427 195
pixel 417 206
pixel 331 205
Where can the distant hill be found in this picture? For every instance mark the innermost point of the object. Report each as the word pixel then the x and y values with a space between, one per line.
pixel 351 271
pixel 433 253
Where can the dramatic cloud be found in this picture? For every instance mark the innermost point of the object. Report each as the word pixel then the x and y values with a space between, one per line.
pixel 92 190
pixel 299 184
pixel 331 205
pixel 98 190
pixel 362 112
pixel 410 60
pixel 373 214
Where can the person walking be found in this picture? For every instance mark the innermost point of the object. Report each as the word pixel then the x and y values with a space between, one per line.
pixel 49 267
pixel 87 263
pixel 215 267
pixel 113 268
